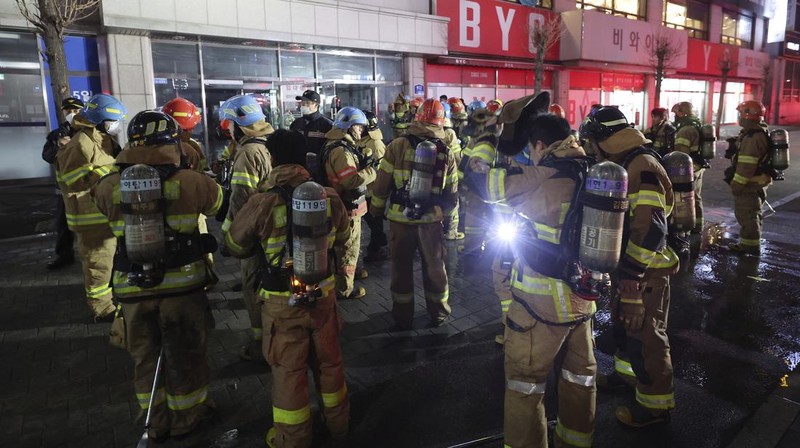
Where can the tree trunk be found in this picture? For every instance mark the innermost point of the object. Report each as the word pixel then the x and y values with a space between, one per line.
pixel 56 58
pixel 659 79
pixel 723 86
pixel 538 78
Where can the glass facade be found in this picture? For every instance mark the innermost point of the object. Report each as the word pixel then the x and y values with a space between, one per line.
pixel 689 15
pixel 632 9
pixel 737 29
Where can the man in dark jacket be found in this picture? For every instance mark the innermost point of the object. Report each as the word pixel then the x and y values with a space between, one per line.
pixel 312 124
pixel 56 139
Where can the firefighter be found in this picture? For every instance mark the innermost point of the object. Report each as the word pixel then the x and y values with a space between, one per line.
pixel 459 118
pixel 641 301
pixel 557 110
pixel 451 222
pixel 312 124
pixel 87 157
pixel 750 181
pixel 537 327
pixel 348 170
pixel 372 142
pixel 56 139
pixel 475 105
pixel 687 140
pixel 165 307
pixel 661 132
pixel 251 166
pixel 400 116
pixel 298 335
pixel 415 212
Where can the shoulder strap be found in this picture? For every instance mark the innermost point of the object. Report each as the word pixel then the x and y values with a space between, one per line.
pixel 637 152
pixel 286 195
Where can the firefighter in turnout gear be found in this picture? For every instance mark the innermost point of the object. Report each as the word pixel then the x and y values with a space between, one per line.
pixel 641 299
pixel 348 170
pixel 459 117
pixel 85 159
pixel 750 179
pixel 401 119
pixel 421 189
pixel 451 222
pixel 251 166
pixel 373 146
pixel 297 335
pixel 687 140
pixel 537 327
pixel 165 306
pixel 661 132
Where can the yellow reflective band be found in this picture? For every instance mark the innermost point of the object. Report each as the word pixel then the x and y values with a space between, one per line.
pixel 98 292
pixel 183 223
pixel 117 227
pixel 326 286
pixel 639 253
pixel 378 202
pixel 256 333
pixel 386 166
pixel 73 176
pixel 291 417
pixel 615 122
pixel 273 245
pixel 144 398
pixel 101 170
pixel 564 209
pixel 111 110
pixel 402 297
pixel 547 233
pixel 623 367
pixel 217 203
pixel 682 141
pixel 172 190
pixel 662 402
pixel 191 275
pixel 484 152
pixel 336 398
pixel 496 184
pixel 246 179
pixel 181 114
pixel 647 197
pixel 188 401
pixel 739 179
pixel 574 438
pixel 87 219
pixel 504 304
pixel 226 225
pixel 232 244
pixel 750 242
pixel 747 159
pixel 440 297
pixel 279 216
pixel 400 176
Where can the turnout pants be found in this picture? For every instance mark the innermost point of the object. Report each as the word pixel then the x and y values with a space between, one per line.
pixel 404 241
pixel 377 236
pixel 476 218
pixel 64 236
pixel 96 250
pixel 251 271
pixel 296 338
pixel 180 325
pixel 698 199
pixel 347 258
pixel 530 350
pixel 644 355
pixel 747 208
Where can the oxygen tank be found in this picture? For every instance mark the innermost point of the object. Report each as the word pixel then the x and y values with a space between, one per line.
pixel 310 233
pixel 140 188
pixel 312 164
pixel 422 171
pixel 680 171
pixel 780 149
pixel 604 207
pixel 708 141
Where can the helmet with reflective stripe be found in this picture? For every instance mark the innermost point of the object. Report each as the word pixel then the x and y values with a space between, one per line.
pixel 475 105
pixel 494 106
pixel 243 110
pixel 684 107
pixel 152 127
pixel 431 112
pixel 556 109
pixel 348 116
pixel 184 112
pixel 603 123
pixel 456 105
pixel 102 107
pixel 752 110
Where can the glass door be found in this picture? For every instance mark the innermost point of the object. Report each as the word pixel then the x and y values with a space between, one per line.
pixel 289 106
pixel 216 94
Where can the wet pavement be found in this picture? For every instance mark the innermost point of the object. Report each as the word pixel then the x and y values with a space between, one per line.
pixel 734 331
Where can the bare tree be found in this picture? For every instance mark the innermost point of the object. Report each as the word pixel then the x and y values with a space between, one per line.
pixel 51 18
pixel 541 38
pixel 725 66
pixel 663 54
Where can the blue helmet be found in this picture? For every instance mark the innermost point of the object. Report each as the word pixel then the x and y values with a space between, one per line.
pixel 102 107
pixel 243 110
pixel 447 112
pixel 477 104
pixel 348 116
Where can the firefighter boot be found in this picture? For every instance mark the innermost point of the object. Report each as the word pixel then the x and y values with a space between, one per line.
pixel 637 416
pixel 612 382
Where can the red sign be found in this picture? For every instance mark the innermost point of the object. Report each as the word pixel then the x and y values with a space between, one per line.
pixel 623 81
pixel 477 75
pixel 492 27
pixel 706 58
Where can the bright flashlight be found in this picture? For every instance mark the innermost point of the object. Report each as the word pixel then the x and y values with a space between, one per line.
pixel 507 231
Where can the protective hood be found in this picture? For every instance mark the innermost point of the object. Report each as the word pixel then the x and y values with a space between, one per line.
pixel 80 122
pixel 258 129
pixel 375 134
pixel 569 147
pixel 291 175
pixel 689 120
pixel 150 155
pixel 623 141
pixel 514 115
pixel 752 125
pixel 425 130
pixel 340 134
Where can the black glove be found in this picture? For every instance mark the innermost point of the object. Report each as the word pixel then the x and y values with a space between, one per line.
pixel 365 162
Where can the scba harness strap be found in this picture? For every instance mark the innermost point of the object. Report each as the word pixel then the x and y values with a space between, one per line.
pixel 352 199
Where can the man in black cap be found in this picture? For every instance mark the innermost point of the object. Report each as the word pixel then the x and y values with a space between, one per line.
pixel 56 139
pixel 312 124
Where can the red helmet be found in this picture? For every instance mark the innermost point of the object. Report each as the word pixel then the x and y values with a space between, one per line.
pixel 556 109
pixel 416 102
pixel 224 128
pixel 752 110
pixel 494 106
pixel 431 112
pixel 184 112
pixel 456 106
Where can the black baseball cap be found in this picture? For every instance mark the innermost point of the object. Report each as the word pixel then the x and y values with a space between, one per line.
pixel 309 95
pixel 72 103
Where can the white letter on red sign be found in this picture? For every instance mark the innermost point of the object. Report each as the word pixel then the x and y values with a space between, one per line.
pixel 467 24
pixel 505 24
pixel 534 20
pixel 706 53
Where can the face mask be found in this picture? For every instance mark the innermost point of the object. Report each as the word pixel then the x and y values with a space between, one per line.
pixel 305 110
pixel 70 117
pixel 112 127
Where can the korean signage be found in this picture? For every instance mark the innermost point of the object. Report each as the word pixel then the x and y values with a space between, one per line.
pixel 752 64
pixel 592 35
pixel 492 27
pixel 706 58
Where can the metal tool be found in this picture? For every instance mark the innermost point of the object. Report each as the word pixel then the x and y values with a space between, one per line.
pixel 145 440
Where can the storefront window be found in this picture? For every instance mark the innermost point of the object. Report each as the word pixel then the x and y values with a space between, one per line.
pixel 689 15
pixel 297 64
pixel 389 69
pixel 171 58
pixel 791 82
pixel 632 9
pixel 238 62
pixel 737 29
pixel 674 91
pixel 348 68
pixel 734 94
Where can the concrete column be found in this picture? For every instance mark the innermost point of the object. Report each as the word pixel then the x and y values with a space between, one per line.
pixel 715 24
pixel 130 70
pixel 414 68
pixel 561 88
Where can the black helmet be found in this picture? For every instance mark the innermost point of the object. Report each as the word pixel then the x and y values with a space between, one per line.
pixel 603 123
pixel 151 127
pixel 372 120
